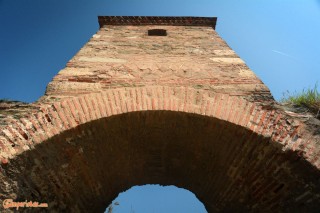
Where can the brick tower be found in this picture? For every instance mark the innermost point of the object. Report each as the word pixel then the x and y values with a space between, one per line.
pixel 160 100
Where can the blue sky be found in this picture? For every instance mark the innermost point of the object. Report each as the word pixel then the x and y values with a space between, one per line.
pixel 157 199
pixel 278 39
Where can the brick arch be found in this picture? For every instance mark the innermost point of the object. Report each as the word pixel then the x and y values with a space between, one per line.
pixel 66 114
pixel 264 126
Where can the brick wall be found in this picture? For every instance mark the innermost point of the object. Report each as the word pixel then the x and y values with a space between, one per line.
pixel 125 56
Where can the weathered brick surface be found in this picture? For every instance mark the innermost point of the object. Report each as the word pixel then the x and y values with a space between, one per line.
pixel 125 56
pixel 183 110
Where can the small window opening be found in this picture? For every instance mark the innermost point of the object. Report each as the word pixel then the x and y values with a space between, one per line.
pixel 157 32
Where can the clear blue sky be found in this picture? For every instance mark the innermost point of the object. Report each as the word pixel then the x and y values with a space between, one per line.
pixel 278 39
pixel 157 199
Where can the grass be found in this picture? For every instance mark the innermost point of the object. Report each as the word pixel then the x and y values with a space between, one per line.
pixel 308 98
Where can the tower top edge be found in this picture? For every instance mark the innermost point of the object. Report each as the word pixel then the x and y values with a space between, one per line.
pixel 158 20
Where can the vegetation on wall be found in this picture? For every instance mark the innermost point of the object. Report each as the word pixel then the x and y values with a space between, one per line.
pixel 308 99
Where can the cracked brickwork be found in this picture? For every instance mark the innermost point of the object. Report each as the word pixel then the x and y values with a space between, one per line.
pixel 181 109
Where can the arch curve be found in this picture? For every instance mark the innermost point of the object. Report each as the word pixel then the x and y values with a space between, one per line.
pixel 60 116
pixel 253 161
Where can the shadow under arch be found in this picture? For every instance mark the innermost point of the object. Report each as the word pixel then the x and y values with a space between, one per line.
pixel 228 167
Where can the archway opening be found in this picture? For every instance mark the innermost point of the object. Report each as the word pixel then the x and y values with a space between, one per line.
pixel 156 199
pixel 228 167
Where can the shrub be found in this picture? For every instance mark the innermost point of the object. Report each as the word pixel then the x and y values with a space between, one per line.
pixel 308 98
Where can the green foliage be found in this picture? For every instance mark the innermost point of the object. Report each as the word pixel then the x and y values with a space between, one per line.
pixel 308 98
